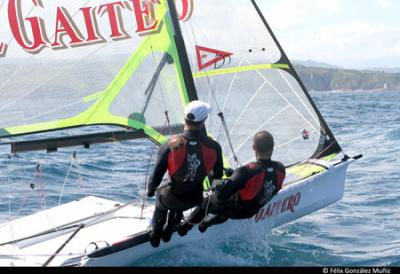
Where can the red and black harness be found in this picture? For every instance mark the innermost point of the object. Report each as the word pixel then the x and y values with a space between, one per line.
pixel 189 162
pixel 265 179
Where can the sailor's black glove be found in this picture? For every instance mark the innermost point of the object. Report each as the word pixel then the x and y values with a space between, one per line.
pixel 151 193
pixel 229 171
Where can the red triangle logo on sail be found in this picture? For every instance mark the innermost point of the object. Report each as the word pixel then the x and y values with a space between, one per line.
pixel 203 56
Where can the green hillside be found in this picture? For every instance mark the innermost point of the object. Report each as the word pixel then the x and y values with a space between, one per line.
pixel 322 79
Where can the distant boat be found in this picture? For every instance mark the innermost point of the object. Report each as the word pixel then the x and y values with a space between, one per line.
pixel 385 86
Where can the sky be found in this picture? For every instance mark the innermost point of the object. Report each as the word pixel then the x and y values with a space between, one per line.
pixel 346 33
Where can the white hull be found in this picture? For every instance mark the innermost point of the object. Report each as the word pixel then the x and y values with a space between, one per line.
pixel 292 202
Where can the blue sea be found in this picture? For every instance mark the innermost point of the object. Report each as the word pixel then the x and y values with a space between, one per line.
pixel 362 229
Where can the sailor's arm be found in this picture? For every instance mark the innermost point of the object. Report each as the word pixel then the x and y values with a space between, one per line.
pixel 159 170
pixel 234 184
pixel 219 164
pixel 281 174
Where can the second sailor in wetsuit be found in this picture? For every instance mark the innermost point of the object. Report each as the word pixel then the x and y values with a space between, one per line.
pixel 249 188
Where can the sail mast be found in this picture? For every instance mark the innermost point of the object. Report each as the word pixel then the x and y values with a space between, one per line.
pixel 182 53
pixel 334 145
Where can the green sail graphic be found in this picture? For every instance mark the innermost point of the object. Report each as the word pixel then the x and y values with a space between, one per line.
pixel 132 83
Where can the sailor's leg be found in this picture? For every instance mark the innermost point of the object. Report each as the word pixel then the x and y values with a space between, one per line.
pixel 195 217
pixel 210 221
pixel 159 217
pixel 174 217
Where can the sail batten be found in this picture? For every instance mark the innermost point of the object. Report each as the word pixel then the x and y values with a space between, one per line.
pixel 239 69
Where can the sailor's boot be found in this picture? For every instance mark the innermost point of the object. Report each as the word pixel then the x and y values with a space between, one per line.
pixel 183 228
pixel 195 217
pixel 210 221
pixel 158 222
pixel 174 218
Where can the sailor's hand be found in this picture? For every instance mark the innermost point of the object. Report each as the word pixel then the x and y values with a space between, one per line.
pixel 229 171
pixel 150 193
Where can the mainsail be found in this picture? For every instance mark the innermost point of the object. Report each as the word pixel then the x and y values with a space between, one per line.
pixel 142 80
pixel 242 71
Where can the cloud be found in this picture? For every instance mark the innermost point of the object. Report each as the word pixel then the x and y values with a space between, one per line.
pixel 385 3
pixel 349 44
pixel 289 13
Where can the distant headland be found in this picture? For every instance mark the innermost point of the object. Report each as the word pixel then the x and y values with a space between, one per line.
pixel 322 77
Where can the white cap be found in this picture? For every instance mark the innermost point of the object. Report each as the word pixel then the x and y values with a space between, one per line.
pixel 197 111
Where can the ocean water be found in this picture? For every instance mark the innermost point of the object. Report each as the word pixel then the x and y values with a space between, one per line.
pixel 359 230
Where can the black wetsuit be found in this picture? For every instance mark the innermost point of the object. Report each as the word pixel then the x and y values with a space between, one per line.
pixel 247 191
pixel 189 158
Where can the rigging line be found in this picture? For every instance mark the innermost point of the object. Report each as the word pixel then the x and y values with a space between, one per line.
pixel 166 59
pixel 54 77
pixel 81 184
pixel 73 224
pixel 66 178
pixel 9 217
pixel 288 142
pixel 166 124
pixel 223 121
pixel 229 93
pixel 291 88
pixel 286 100
pixel 10 41
pixel 259 128
pixel 221 115
pixel 322 122
pixel 26 197
pixel 231 85
pixel 248 103
pixel 290 153
pixel 63 245
pixel 41 186
pixel 61 228
pixel 154 80
pixel 251 100
pixel 146 185
pixel 38 235
pixel 41 255
pixel 225 127
pixel 211 92
pixel 33 55
pixel 194 41
pixel 298 97
pixel 246 107
pixel 326 149
pixel 53 110
pixel 42 193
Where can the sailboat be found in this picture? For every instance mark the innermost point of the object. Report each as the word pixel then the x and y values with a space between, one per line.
pixel 136 65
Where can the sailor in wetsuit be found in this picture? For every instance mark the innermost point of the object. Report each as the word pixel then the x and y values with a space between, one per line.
pixel 189 158
pixel 249 188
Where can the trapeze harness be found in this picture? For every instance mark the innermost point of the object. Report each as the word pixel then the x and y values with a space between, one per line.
pixel 250 188
pixel 189 162
pixel 264 181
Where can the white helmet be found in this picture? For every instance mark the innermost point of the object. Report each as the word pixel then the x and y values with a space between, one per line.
pixel 197 111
